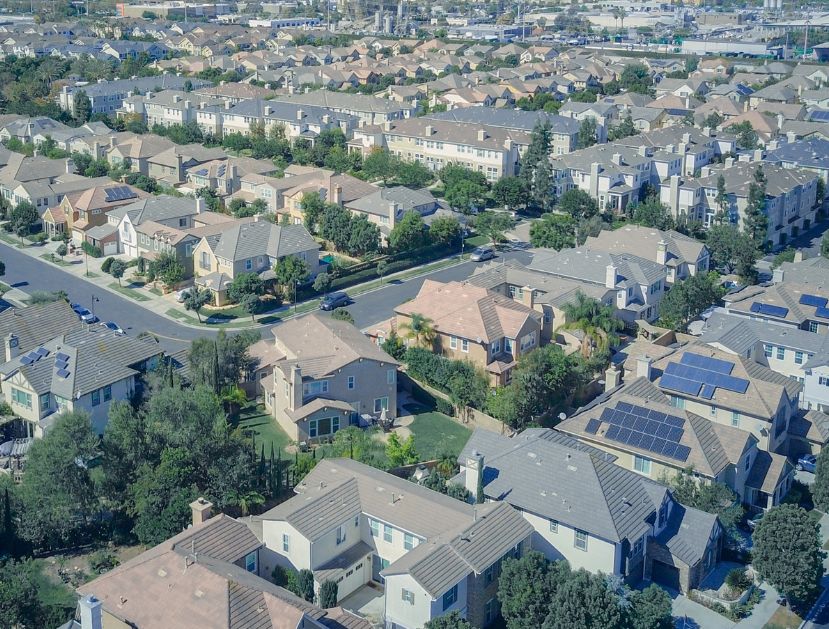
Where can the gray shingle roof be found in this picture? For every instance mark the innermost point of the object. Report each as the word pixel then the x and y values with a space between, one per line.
pixel 687 533
pixel 37 324
pixel 259 238
pixel 225 539
pixel 509 119
pixel 589 265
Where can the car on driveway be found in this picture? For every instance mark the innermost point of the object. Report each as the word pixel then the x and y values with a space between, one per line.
pixel 181 295
pixel 481 254
pixel 113 327
pixel 755 520
pixel 335 300
pixel 807 463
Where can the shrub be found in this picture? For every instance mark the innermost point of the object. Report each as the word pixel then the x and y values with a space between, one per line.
pixel 282 576
pixel 328 594
pixel 107 264
pixel 91 250
pixel 737 580
pixel 39 237
pixel 102 560
pixel 443 406
pixel 57 238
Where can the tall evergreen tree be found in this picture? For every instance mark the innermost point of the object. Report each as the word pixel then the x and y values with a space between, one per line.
pixel 756 220
pixel 535 166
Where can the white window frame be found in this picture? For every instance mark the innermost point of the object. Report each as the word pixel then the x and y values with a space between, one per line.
pixel 251 563
pixel 286 543
pixel 407 596
pixel 642 465
pixel 580 539
pixel 388 534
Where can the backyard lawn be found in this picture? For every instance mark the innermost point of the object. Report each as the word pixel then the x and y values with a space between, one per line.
pixel 263 427
pixel 436 435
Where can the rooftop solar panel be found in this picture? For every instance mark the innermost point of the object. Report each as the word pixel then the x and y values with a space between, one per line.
pixel 674 434
pixel 592 426
pixel 42 351
pixel 813 300
pixel 624 435
pixel 61 356
pixel 669 449
pixel 640 423
pixel 63 373
pixel 646 442
pixel 606 413
pixel 822 312
pixel 26 360
pixel 683 385
pixel 657 415
pixel 612 433
pixel 624 406
pixel 662 431
pixel 682 452
pixel 707 391
pixel 706 362
pixel 768 309
pixel 819 116
pixel 635 439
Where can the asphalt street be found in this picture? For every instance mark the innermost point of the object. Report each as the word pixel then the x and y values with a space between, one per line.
pixel 30 274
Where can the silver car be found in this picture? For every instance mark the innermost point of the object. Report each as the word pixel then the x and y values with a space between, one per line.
pixel 481 254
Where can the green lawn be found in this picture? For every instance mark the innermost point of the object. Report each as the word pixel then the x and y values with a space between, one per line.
pixel 132 293
pixel 476 241
pixel 263 428
pixel 49 257
pixel 436 435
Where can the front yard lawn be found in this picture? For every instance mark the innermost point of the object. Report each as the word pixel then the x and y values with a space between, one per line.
pixel 436 435
pixel 784 618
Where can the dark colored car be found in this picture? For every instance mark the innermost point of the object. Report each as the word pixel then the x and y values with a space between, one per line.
pixel 335 300
pixel 807 463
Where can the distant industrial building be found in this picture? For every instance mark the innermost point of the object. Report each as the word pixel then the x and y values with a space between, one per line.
pixel 730 47
pixel 171 9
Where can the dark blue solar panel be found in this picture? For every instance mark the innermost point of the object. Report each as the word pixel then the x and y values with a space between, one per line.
pixel 658 444
pixel 63 373
pixel 624 406
pixel 819 116
pixel 650 427
pixel 669 449
pixel 61 356
pixel 657 415
pixel 624 435
pixel 822 312
pixel 26 360
pixel 592 426
pixel 663 430
pixel 635 439
pixel 640 423
pixel 612 433
pixel 707 391
pixel 646 442
pixel 768 309
pixel 813 300
pixel 682 452
pixel 675 421
pixel 42 351
pixel 674 434
pixel 683 385
pixel 606 414
pixel 706 362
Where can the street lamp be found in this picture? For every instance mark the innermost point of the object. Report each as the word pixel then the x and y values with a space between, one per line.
pixel 296 285
pixel 94 299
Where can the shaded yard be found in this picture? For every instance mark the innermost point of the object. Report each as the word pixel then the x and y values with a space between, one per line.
pixel 262 427
pixel 435 434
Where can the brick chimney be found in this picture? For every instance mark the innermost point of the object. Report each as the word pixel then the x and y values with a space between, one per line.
pixel 201 510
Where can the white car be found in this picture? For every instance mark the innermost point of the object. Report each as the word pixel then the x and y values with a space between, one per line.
pixel 181 295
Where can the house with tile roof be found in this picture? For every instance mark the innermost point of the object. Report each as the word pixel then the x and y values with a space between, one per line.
pixel 250 247
pixel 587 509
pixel 427 553
pixel 319 375
pixel 474 323
pixel 80 370
pixel 209 575
pixel 178 212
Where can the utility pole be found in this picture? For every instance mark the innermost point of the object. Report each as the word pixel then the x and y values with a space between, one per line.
pixel 806 40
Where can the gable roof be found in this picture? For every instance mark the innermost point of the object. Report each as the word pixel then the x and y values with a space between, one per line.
pixel 37 324
pixel 259 238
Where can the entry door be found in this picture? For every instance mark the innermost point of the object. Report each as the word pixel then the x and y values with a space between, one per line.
pixel 378 564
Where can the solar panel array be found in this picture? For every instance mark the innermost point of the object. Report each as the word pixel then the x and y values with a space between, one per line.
pixel 819 116
pixel 202 172
pixel 701 376
pixel 813 300
pixel 768 309
pixel 34 356
pixel 822 312
pixel 648 429
pixel 221 171
pixel 119 193
pixel 62 365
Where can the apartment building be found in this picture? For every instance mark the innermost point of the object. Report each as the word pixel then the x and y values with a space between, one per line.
pixel 791 197
pixel 296 120
pixel 634 285
pixel 475 324
pixel 564 132
pixel 370 110
pixel 107 97
pixel 319 375
pixel 427 553
pixel 169 107
pixel 647 434
pixel 696 147
pixel 604 114
pixel 588 510
pixel 493 151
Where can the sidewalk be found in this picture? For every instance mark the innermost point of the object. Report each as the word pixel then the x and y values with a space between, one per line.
pixel 89 269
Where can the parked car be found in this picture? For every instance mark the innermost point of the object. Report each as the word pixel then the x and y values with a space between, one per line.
pixel 86 316
pixel 114 327
pixel 755 520
pixel 482 253
pixel 181 295
pixel 77 308
pixel 335 300
pixel 807 463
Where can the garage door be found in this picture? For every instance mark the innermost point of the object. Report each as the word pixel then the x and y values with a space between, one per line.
pixel 110 248
pixel 665 575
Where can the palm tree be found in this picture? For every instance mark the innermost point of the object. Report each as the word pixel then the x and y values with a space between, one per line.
pixel 247 500
pixel 419 329
pixel 622 15
pixel 595 320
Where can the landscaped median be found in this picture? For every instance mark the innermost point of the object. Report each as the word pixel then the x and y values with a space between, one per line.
pixel 128 291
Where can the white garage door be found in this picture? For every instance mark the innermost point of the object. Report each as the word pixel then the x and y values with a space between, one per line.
pixel 110 248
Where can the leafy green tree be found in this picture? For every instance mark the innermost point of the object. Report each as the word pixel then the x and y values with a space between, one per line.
pixel 578 204
pixel 117 269
pixel 445 230
pixel 596 322
pixel 688 298
pixel 651 609
pixel 713 120
pixel 245 284
pixel 251 304
pixel 364 236
pixel 335 226
pixel 624 129
pixel 555 231
pixel 746 135
pixel 57 494
pixel 220 363
pixel 167 268
pixel 587 601
pixel 196 299
pixel 588 133
pixel 636 78
pixel 465 195
pixel 312 208
pixel 820 488
pixel 408 233
pixel 380 164
pixel 467 388
pixel 653 213
pixel 536 172
pixel 414 175
pixel 756 221
pixel 401 452
pixel 305 585
pixel 511 192
pixel 82 106
pixel 29 598
pixel 322 283
pixel 714 498
pixel 62 250
pixel 393 345
pixel 419 329
pixel 452 620
pixel 787 551
pixel 23 217
pixel 493 225
pixel 526 588
pixel 721 200
pixel 290 271
pixel 341 314
pixel 328 594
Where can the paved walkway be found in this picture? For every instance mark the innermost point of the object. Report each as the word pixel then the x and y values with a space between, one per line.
pixel 690 615
pixel 763 611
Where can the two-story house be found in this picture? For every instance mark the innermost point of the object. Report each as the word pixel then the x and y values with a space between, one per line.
pixel 476 324
pixel 319 375
pixel 178 212
pixel 250 247
pixel 428 554
pixel 595 514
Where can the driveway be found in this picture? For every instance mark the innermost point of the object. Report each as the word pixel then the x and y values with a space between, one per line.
pixel 690 615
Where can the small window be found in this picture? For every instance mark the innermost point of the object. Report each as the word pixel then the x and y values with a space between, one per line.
pixel 798 358
pixel 391 376
pixel 408 541
pixel 340 535
pixel 407 596
pixel 352 382
pixel 107 393
pixel 450 598
pixel 642 465
pixel 286 543
pixel 356 520
pixel 581 540
pixel 453 342
pixel 713 411
pixel 768 349
pixel 250 562
pixel 381 404
pixel 553 526
pixel 388 533
pixel 464 345
pixel 248 265
pixel 374 525
pixel 735 418
pixel 96 398
pixel 781 353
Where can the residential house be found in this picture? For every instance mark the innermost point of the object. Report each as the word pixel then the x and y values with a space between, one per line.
pixel 362 527
pixel 595 514
pixel 26 129
pixel 369 109
pixel 635 285
pixel 650 436
pixel 134 151
pixel 320 375
pixel 811 154
pixel 386 206
pixel 171 166
pixel 605 115
pixel 81 370
pixel 472 323
pixel 253 247
pixel 207 575
pixel 178 212
pixel 697 148
pixel 682 255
